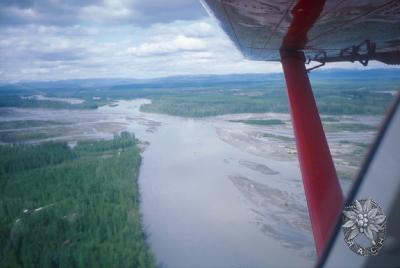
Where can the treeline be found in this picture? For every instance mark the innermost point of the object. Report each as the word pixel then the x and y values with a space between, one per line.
pixel 260 122
pixel 353 102
pixel 63 207
pixel 334 102
pixel 28 124
pixel 7 100
pixel 200 104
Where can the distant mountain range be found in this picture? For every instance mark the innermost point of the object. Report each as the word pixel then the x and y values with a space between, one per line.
pixel 197 80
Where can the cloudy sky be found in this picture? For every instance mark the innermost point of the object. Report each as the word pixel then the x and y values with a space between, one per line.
pixel 62 39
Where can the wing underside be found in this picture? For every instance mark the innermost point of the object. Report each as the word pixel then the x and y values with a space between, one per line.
pixel 342 28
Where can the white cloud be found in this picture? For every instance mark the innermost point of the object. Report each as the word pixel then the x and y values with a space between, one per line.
pixel 34 71
pixel 200 28
pixel 87 50
pixel 115 10
pixel 179 43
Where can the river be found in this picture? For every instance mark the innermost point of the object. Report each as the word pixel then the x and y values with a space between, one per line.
pixel 214 193
pixel 206 203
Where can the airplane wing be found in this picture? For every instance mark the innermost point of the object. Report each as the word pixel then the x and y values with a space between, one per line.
pixel 327 31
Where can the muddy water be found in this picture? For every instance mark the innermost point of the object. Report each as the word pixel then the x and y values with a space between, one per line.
pixel 208 199
pixel 198 217
pixel 206 203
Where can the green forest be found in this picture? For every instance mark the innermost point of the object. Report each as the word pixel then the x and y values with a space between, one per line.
pixel 72 207
pixel 11 99
pixel 28 124
pixel 200 104
pixel 261 122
